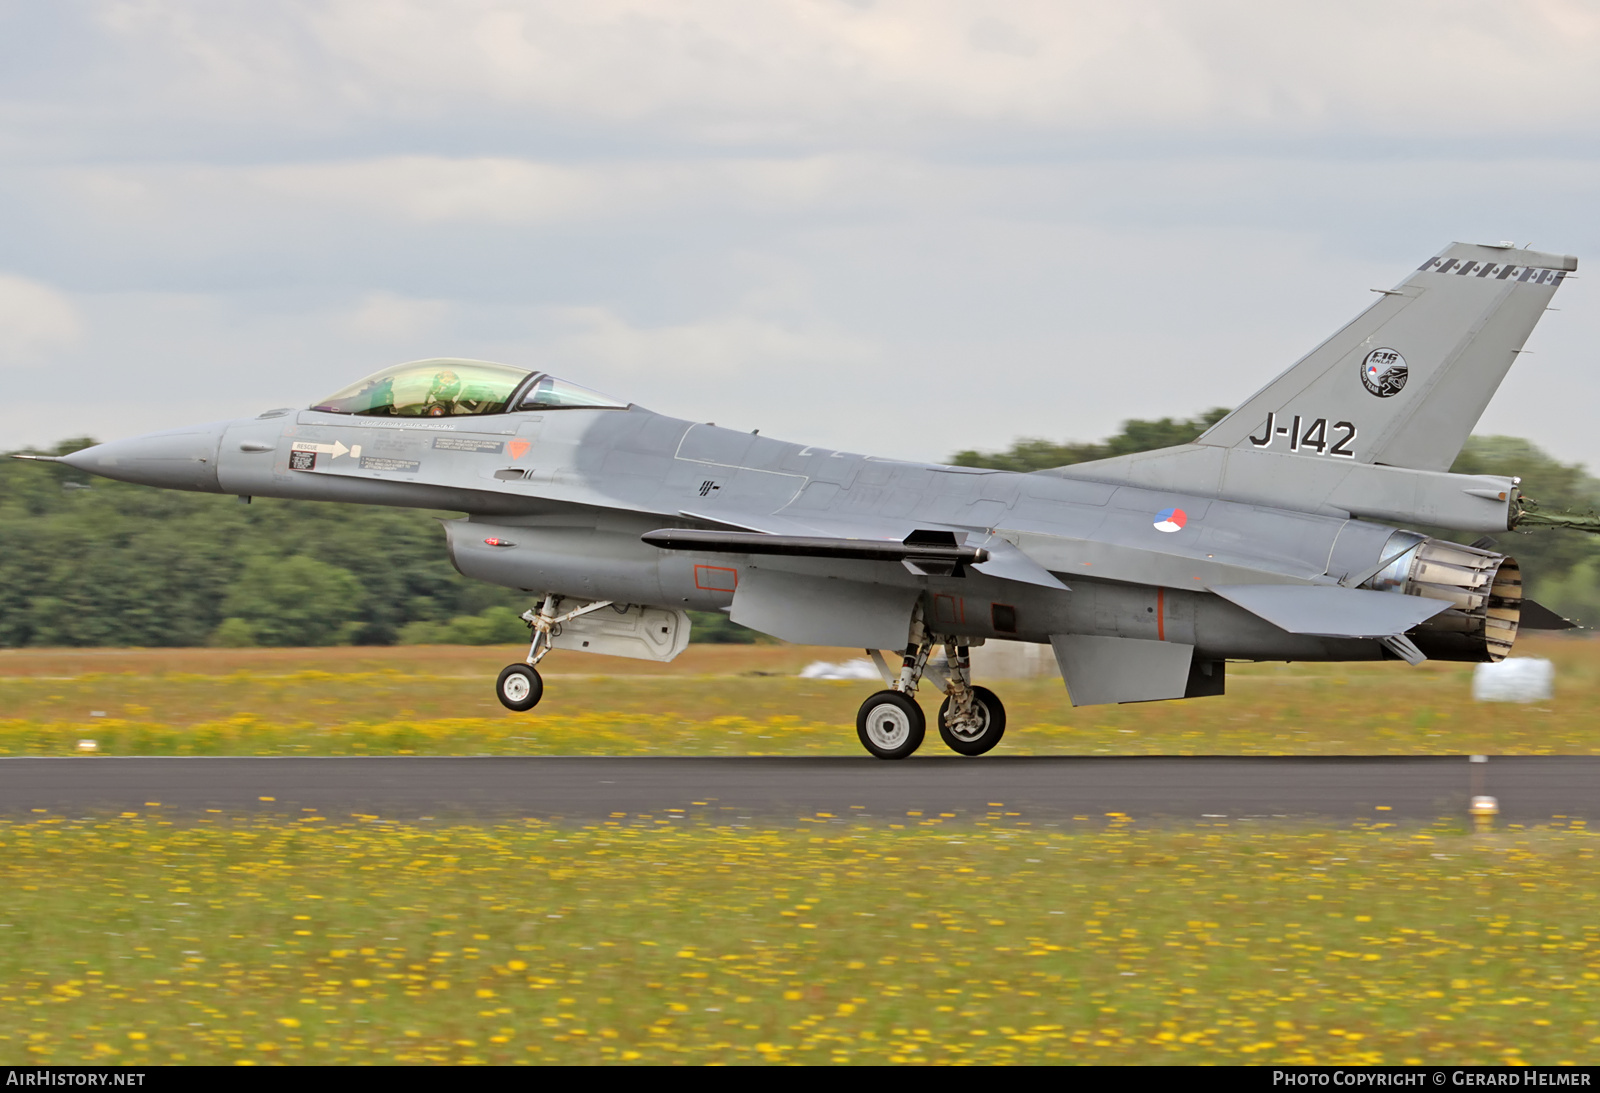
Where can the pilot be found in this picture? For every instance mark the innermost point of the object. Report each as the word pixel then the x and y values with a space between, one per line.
pixel 442 395
pixel 379 397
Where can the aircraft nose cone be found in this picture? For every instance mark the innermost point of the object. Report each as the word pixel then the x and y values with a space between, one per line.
pixel 178 459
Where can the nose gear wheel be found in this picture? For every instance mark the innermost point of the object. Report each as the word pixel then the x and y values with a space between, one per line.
pixel 519 687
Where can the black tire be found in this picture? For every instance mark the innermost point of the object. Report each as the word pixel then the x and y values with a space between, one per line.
pixel 992 721
pixel 519 687
pixel 890 725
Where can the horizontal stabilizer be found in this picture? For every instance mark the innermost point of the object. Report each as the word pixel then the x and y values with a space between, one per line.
pixel 1331 612
pixel 925 548
pixel 1536 616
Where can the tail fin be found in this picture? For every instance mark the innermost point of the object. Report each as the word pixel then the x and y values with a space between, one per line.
pixel 1404 383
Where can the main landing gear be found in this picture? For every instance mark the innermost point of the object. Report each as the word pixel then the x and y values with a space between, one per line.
pixel 520 687
pixel 891 725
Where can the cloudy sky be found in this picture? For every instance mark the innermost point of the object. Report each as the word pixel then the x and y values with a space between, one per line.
pixel 889 226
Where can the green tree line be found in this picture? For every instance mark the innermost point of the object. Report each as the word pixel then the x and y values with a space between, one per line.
pixel 90 561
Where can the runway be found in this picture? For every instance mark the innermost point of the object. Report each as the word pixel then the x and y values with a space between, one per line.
pixel 1530 789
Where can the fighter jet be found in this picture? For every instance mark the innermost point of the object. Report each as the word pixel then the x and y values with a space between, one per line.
pixel 1280 534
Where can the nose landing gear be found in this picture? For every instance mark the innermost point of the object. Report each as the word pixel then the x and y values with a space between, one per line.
pixel 520 687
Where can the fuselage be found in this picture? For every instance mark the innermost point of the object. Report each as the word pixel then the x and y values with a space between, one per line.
pixel 557 499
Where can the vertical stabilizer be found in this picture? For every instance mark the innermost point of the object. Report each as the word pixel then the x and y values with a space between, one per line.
pixel 1405 382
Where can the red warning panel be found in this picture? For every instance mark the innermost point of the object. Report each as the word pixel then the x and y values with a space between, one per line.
pixel 949 609
pixel 715 578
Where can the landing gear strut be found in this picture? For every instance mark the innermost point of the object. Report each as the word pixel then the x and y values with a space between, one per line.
pixel 520 687
pixel 891 725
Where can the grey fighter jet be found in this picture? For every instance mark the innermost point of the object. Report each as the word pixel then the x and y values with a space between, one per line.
pixel 1271 537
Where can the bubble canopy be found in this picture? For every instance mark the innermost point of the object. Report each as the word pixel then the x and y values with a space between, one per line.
pixel 447 387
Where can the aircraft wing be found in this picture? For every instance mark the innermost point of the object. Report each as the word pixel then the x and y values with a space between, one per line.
pixel 779 525
pixel 938 548
pixel 1011 563
pixel 1333 612
pixel 927 551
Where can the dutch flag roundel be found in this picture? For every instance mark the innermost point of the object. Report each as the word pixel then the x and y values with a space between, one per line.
pixel 1170 520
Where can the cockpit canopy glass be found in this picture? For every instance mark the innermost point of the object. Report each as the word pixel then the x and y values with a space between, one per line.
pixel 444 387
pixel 447 387
pixel 549 393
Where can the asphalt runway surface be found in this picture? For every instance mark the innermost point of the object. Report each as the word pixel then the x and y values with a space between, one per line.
pixel 1530 789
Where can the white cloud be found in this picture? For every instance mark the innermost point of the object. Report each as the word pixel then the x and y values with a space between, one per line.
pixel 720 346
pixel 426 189
pixel 35 319
pixel 210 208
pixel 892 226
pixel 384 317
pixel 895 71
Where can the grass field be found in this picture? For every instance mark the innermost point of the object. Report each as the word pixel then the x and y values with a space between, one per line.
pixel 731 700
pixel 135 940
pixel 147 939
